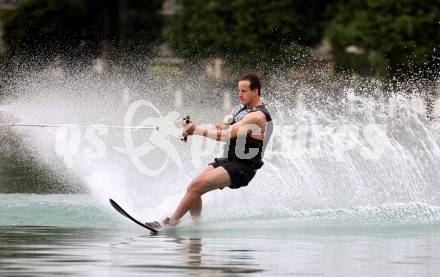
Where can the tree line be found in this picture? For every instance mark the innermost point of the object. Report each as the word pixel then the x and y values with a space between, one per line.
pixel 391 36
pixel 72 29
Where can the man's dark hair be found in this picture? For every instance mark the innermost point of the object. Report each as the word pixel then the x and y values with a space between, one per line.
pixel 254 82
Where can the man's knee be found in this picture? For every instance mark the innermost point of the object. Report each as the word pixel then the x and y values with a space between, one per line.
pixel 197 186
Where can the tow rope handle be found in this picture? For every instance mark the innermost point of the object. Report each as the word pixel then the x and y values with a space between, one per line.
pixel 187 120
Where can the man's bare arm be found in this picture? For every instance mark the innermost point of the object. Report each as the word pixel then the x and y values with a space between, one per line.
pixel 220 126
pixel 217 126
pixel 232 131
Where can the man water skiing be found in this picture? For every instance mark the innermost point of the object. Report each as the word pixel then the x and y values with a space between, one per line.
pixel 246 134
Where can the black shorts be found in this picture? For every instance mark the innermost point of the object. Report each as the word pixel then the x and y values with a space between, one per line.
pixel 239 173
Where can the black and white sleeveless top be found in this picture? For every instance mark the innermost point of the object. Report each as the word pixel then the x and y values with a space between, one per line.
pixel 232 152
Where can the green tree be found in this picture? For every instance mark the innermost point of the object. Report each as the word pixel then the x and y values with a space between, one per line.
pixel 41 26
pixel 77 27
pixel 247 31
pixel 404 33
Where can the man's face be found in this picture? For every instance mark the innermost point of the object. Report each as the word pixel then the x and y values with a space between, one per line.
pixel 245 93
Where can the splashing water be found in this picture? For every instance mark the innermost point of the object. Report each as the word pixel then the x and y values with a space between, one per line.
pixel 340 152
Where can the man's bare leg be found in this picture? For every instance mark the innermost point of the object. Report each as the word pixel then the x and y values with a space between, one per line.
pixel 207 180
pixel 196 209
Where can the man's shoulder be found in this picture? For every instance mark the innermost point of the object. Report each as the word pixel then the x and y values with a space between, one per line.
pixel 255 117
